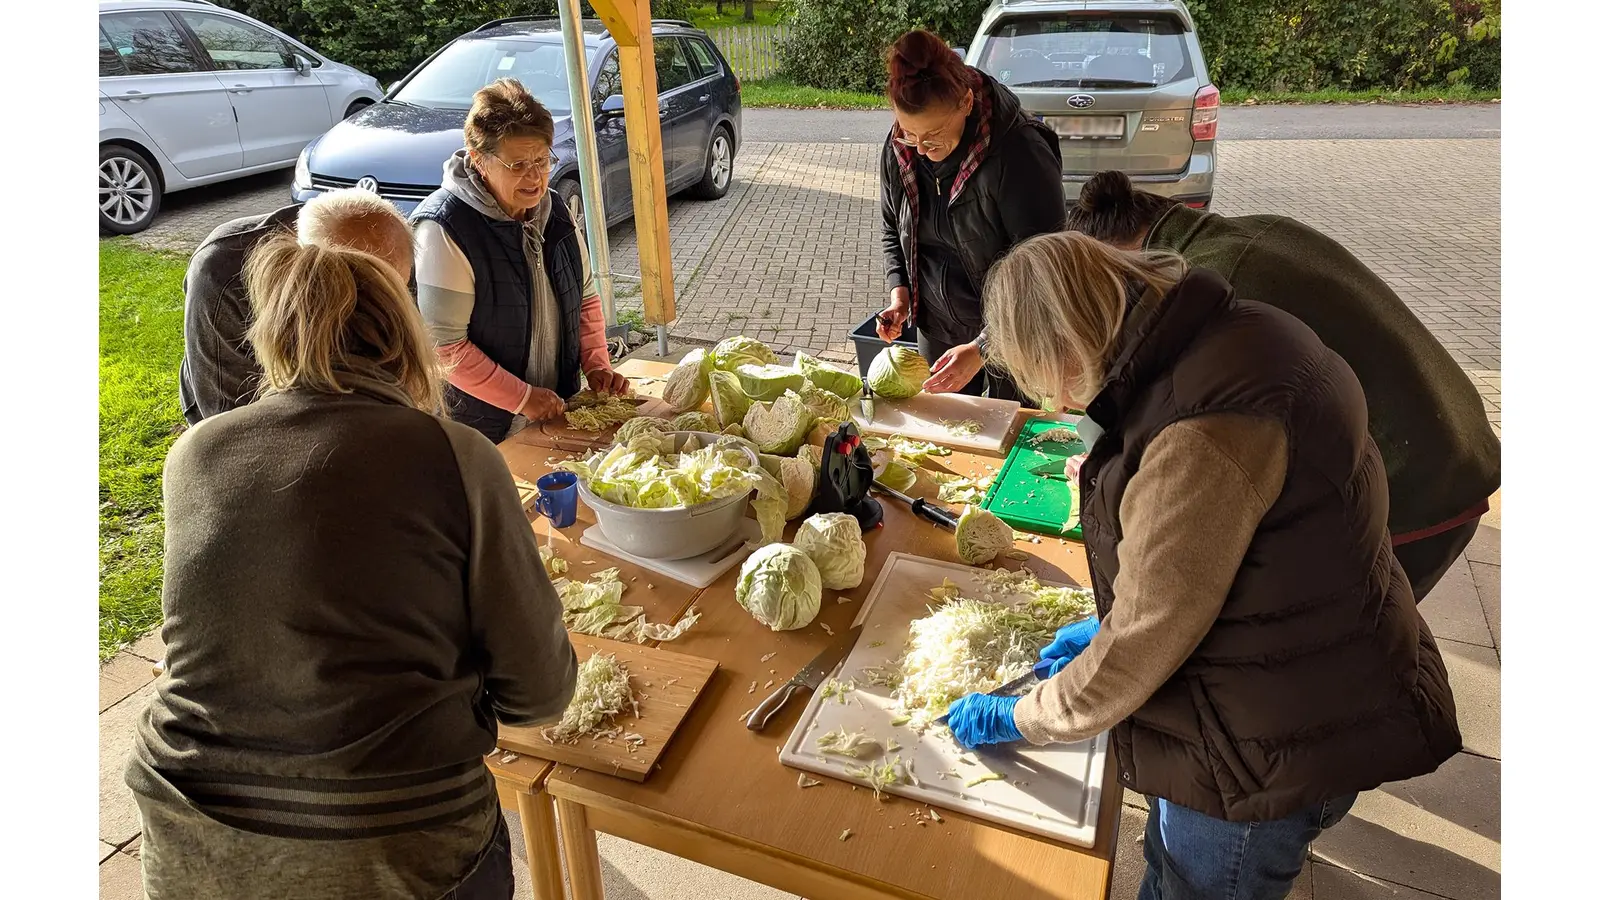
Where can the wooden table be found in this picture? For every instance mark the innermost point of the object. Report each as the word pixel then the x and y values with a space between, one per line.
pixel 722 799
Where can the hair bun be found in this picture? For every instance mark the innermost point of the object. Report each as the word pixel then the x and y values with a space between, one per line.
pixel 1106 190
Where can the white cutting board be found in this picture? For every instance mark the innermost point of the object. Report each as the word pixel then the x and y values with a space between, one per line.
pixel 1052 791
pixel 922 418
pixel 696 571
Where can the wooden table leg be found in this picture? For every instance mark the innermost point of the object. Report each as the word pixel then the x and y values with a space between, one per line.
pixel 539 837
pixel 582 854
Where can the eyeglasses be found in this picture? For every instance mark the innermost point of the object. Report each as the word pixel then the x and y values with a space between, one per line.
pixel 933 142
pixel 522 168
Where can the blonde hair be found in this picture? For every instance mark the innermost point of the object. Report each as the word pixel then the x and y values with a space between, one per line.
pixel 1054 308
pixel 322 311
pixel 359 220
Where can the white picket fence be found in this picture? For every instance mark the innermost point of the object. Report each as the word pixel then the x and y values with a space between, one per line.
pixel 752 51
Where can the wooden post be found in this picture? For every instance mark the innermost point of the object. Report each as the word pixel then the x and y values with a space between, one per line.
pixel 629 24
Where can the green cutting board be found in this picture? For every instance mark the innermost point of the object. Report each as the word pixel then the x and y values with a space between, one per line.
pixel 1028 502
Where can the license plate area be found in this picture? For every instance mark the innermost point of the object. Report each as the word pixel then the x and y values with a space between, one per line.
pixel 1080 128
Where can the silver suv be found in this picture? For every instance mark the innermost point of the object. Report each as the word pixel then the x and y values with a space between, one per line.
pixel 1122 82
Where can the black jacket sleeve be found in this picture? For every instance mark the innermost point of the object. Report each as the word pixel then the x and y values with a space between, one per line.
pixel 1030 182
pixel 890 193
pixel 219 369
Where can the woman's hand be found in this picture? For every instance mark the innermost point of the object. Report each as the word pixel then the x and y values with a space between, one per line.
pixel 892 321
pixel 607 381
pixel 542 404
pixel 954 370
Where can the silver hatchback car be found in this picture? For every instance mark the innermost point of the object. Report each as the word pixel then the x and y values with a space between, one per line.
pixel 1123 82
pixel 191 93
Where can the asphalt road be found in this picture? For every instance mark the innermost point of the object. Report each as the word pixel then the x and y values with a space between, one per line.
pixel 1238 123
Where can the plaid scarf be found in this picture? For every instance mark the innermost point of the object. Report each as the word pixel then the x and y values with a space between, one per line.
pixel 906 157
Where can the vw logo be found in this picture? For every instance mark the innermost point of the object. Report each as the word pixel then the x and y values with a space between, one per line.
pixel 1080 101
pixel 370 184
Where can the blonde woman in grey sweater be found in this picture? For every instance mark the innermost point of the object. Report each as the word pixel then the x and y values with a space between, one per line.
pixel 353 601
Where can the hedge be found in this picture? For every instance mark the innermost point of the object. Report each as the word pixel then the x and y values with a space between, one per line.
pixel 1265 45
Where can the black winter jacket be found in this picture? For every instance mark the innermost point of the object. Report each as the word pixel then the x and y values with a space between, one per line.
pixel 1007 190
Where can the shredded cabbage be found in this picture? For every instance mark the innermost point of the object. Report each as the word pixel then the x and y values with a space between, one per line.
pixel 854 744
pixel 611 411
pixel 973 645
pixel 602 692
pixel 633 427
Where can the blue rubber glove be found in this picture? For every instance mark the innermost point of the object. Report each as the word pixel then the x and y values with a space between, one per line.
pixel 1070 641
pixel 979 719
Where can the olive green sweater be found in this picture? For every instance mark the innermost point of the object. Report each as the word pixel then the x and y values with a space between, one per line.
pixel 353 600
pixel 1441 456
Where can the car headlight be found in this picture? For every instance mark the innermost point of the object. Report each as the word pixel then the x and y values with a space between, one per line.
pixel 302 171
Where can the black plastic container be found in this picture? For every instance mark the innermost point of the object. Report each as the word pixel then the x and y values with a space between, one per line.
pixel 868 344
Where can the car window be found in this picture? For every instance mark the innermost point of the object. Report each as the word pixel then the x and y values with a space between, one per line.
pixel 1077 51
pixel 236 46
pixel 452 77
pixel 608 80
pixel 704 62
pixel 149 44
pixel 110 60
pixel 673 70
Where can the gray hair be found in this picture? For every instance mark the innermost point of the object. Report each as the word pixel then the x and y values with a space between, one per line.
pixel 1054 308
pixel 354 219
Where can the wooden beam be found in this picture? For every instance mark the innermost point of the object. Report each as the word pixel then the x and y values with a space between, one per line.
pixel 646 152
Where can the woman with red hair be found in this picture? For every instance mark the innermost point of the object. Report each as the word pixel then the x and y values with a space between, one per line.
pixel 966 176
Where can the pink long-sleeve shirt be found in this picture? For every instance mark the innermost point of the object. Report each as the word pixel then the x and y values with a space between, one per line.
pixel 445 292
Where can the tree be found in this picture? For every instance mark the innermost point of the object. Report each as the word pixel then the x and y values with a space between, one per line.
pixel 749 10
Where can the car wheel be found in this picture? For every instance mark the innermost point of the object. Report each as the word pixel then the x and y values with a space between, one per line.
pixel 130 190
pixel 356 107
pixel 568 191
pixel 719 166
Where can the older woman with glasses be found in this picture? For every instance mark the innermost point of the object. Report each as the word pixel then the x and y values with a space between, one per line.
pixel 966 176
pixel 502 275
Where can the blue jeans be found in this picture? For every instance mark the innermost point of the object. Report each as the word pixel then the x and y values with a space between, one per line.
pixel 1191 856
pixel 490 877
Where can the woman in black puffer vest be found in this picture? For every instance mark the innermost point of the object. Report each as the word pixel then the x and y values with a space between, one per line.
pixel 966 176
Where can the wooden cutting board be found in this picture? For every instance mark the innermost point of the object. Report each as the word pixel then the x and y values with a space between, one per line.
pixel 1051 790
pixel 560 435
pixel 667 685
pixel 922 418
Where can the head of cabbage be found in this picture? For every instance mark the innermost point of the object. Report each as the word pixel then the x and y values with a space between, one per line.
pixel 780 586
pixel 768 382
pixel 739 350
pixel 728 400
pixel 824 404
pixel 799 479
pixel 778 427
pixel 981 536
pixel 694 421
pixel 829 378
pixel 632 428
pixel 897 373
pixel 821 430
pixel 834 543
pixel 690 382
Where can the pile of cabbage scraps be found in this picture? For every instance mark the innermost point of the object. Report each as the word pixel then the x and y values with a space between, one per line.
pixel 602 692
pixel 644 473
pixel 975 644
pixel 595 607
pixel 611 410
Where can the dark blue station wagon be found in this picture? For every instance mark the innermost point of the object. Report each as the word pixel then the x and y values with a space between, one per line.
pixel 398 146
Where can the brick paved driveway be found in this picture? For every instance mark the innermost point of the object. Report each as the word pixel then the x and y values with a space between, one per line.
pixel 791 255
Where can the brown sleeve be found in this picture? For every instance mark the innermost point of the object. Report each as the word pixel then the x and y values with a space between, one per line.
pixel 1188 516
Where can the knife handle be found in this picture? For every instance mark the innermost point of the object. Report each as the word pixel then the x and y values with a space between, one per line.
pixel 770 706
pixel 938 515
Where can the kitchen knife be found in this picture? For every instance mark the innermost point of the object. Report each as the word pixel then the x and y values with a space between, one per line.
pixel 1056 470
pixel 868 402
pixel 938 515
pixel 809 678
pixel 1016 687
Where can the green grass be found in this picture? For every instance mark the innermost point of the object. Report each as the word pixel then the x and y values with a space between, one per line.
pixel 784 94
pixel 1451 94
pixel 141 345
pixel 705 14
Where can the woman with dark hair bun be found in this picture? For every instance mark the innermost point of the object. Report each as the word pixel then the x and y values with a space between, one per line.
pixel 966 176
pixel 1439 451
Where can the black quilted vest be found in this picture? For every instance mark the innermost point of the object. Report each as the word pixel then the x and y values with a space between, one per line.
pixel 1319 678
pixel 502 311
